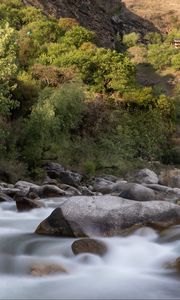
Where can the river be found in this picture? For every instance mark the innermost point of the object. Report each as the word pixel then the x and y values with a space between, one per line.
pixel 133 268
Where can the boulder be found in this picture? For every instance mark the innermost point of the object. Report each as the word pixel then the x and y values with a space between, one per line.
pixel 56 171
pixel 137 192
pixel 40 269
pixel 57 225
pixel 25 185
pixel 5 198
pixel 26 204
pixel 70 178
pixel 174 265
pixel 11 192
pixel 70 190
pixel 85 216
pixel 170 178
pixel 53 169
pixel 87 245
pixel 86 191
pixel 47 191
pixel 146 176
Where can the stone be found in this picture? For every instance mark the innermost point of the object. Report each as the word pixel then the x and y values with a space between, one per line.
pixel 170 178
pixel 25 185
pixel 40 269
pixel 70 178
pixel 56 171
pixel 11 192
pixel 57 225
pixel 86 192
pixel 5 198
pixel 137 192
pixel 26 204
pixel 86 216
pixel 174 265
pixel 47 191
pixel 70 190
pixel 146 176
pixel 87 245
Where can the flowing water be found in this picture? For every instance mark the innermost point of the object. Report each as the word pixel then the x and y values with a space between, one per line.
pixel 133 268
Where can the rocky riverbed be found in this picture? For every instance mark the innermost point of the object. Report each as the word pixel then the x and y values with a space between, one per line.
pixel 100 239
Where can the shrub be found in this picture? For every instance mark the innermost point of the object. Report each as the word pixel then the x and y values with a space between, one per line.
pixel 130 39
pixel 68 23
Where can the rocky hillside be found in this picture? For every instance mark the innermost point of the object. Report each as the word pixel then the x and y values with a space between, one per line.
pixel 107 18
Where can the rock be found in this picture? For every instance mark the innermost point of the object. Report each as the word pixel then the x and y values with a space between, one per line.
pixel 25 185
pixel 26 204
pixel 105 186
pixel 5 198
pixel 86 192
pixel 11 192
pixel 56 171
pixel 53 169
pixel 57 225
pixel 146 176
pixel 170 178
pixel 165 192
pixel 47 191
pixel 174 265
pixel 137 192
pixel 70 190
pixel 85 216
pixel 87 245
pixel 111 178
pixel 70 178
pixel 40 269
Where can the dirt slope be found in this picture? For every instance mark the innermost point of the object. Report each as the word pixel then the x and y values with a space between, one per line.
pixel 165 14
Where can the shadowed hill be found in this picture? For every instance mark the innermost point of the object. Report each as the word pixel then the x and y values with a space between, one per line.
pixel 106 18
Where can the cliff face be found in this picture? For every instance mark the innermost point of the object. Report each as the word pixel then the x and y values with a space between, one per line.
pixel 106 17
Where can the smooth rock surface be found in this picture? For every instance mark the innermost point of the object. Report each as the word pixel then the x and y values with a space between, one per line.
pixel 87 245
pixel 137 192
pixel 107 216
pixel 146 176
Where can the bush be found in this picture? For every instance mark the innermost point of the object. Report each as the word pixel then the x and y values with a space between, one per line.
pixel 130 39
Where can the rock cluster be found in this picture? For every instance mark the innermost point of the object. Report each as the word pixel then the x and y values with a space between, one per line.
pixel 101 206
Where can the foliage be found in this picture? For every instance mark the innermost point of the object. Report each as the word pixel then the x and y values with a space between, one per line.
pixel 130 39
pixel 68 23
pixel 8 68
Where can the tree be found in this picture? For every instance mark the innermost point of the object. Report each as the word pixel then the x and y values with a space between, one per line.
pixel 8 68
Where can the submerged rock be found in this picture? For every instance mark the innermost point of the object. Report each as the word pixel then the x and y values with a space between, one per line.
pixel 89 246
pixel 40 269
pixel 26 204
pixel 107 216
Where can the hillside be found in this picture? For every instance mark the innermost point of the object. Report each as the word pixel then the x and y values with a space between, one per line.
pixel 106 18
pixel 164 14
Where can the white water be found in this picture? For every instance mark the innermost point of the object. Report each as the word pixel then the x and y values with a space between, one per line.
pixel 133 268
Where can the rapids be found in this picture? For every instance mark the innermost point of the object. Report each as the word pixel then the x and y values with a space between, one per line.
pixel 133 268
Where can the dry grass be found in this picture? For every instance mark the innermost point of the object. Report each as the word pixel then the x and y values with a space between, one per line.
pixel 161 13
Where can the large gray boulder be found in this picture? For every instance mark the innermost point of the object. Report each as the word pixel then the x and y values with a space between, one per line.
pixel 146 176
pixel 107 216
pixel 137 192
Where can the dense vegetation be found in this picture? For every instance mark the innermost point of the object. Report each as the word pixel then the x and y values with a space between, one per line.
pixel 65 99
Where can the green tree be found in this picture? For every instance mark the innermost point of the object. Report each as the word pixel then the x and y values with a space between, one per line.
pixel 8 68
